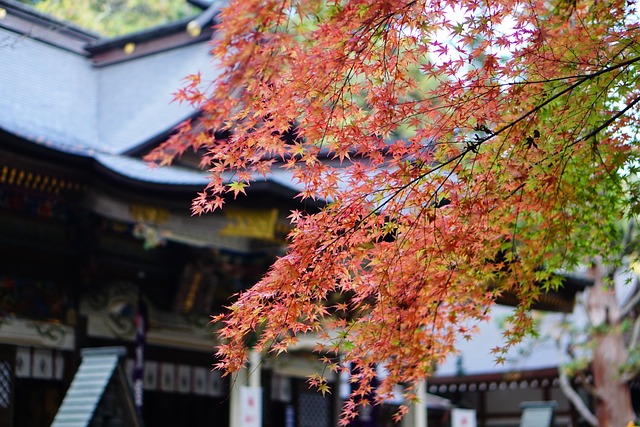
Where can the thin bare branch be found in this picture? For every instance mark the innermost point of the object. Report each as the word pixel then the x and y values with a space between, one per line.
pixel 633 301
pixel 576 400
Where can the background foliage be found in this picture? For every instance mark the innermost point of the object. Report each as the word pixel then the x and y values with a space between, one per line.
pixel 116 17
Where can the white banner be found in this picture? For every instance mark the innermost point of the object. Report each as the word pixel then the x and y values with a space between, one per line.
pixel 463 417
pixel 251 406
pixel 23 362
pixel 42 365
pixel 167 377
pixel 184 379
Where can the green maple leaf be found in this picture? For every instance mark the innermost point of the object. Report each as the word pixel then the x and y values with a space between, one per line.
pixel 237 187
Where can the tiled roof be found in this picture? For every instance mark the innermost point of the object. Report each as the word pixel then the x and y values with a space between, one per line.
pixel 139 170
pixel 58 96
pixel 48 93
pixel 134 98
pixel 83 96
pixel 477 357
pixel 72 92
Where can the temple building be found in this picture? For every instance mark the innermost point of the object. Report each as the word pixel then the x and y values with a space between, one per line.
pixel 89 233
pixel 99 253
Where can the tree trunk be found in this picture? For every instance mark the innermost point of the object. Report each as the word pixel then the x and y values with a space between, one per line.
pixel 613 401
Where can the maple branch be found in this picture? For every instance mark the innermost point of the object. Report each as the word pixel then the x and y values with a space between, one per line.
pixel 474 145
pixel 575 76
pixel 349 83
pixel 608 122
pixel 635 333
pixel 366 27
pixel 570 392
pixel 566 90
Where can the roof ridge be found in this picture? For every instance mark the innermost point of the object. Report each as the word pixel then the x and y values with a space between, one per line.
pixel 26 12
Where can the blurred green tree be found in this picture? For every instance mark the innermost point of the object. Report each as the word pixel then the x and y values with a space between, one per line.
pixel 115 17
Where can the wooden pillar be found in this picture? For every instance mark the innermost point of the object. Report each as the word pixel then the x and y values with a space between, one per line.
pixel 482 409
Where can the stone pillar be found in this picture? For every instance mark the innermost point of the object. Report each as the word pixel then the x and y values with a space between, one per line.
pixel 249 376
pixel 255 369
pixel 420 407
pixel 417 416
pixel 237 381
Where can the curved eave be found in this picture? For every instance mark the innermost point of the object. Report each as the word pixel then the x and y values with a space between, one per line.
pixel 503 380
pixel 42 151
pixel 160 181
pixel 202 4
pixel 575 283
pixel 118 179
pixel 260 189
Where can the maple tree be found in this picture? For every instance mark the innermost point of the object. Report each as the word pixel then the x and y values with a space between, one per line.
pixel 464 149
pixel 606 345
